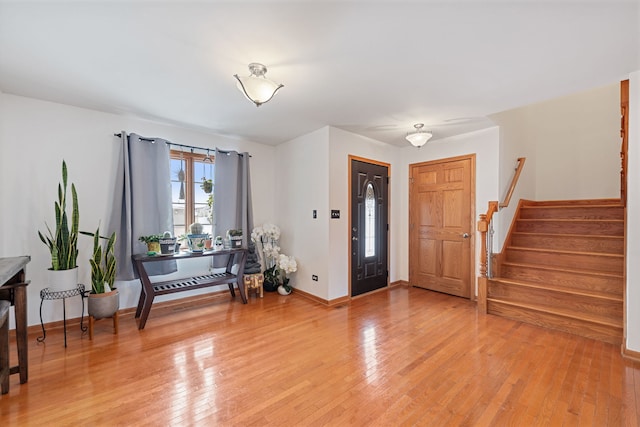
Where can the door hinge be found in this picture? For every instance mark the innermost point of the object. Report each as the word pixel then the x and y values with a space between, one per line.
pixel 387 227
pixel 387 180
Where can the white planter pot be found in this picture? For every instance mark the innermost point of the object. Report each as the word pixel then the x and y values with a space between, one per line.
pixel 283 291
pixel 62 280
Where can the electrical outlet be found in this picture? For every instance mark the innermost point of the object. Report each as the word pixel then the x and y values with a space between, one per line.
pixel 335 214
pixel 314 278
pixel 315 214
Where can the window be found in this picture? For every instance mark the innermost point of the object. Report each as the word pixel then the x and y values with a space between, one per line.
pixel 192 198
pixel 370 221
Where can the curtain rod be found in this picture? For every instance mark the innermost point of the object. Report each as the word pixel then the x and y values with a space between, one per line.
pixel 191 147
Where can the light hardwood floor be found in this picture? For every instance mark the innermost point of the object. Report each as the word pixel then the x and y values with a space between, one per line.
pixel 406 356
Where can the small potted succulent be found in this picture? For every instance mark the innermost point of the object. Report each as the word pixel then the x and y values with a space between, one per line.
pixel 152 241
pixel 167 244
pixel 196 240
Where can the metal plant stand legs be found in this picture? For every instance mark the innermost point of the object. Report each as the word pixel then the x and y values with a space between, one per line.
pixel 48 294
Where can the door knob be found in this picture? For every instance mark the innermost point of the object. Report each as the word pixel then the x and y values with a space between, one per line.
pixel 465 235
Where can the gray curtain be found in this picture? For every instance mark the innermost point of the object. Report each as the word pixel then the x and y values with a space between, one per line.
pixel 232 196
pixel 142 201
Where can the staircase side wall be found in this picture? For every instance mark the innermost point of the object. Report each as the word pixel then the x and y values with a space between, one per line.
pixel 633 221
pixel 572 147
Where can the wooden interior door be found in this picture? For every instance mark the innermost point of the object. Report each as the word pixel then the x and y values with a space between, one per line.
pixel 441 209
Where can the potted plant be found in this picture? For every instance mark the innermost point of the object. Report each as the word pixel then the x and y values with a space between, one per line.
pixel 266 239
pixel 235 238
pixel 167 243
pixel 104 300
pixel 286 264
pixel 62 244
pixel 152 241
pixel 271 274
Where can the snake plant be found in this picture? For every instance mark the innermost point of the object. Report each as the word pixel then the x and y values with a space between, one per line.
pixel 103 269
pixel 63 244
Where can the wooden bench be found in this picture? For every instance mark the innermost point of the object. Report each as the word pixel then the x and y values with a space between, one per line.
pixel 151 290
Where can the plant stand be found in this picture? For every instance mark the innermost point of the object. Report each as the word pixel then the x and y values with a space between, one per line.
pixel 254 281
pixel 92 321
pixel 47 294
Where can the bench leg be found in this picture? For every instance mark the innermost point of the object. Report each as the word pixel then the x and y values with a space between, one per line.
pixel 115 323
pixel 4 356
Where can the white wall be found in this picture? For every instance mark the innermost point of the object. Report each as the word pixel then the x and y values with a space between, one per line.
pixel 572 146
pixel 302 186
pixel 633 213
pixel 34 138
pixel 578 136
pixel 485 145
pixel 514 143
pixel 313 170
pixel 343 144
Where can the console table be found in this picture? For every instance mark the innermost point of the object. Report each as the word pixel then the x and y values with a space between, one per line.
pixel 13 287
pixel 151 290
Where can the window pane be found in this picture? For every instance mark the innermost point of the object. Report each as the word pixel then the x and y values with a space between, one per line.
pixel 203 195
pixel 196 203
pixel 370 221
pixel 177 204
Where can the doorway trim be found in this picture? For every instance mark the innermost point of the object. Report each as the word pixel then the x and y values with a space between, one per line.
pixel 472 217
pixel 349 185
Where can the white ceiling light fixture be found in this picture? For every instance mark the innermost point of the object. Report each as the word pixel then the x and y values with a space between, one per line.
pixel 256 87
pixel 419 137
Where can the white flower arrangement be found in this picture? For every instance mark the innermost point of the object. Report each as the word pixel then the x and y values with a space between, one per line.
pixel 287 264
pixel 266 239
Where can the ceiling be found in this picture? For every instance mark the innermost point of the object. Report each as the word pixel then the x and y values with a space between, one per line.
pixel 372 68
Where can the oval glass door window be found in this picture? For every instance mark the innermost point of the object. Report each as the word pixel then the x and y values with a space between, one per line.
pixel 370 221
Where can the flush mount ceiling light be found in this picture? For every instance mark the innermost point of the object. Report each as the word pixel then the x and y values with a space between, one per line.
pixel 256 87
pixel 418 137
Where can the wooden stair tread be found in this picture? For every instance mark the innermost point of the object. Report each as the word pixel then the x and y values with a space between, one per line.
pixel 576 206
pixel 564 289
pixel 563 268
pixel 568 314
pixel 571 220
pixel 561 251
pixel 566 270
pixel 583 202
pixel 553 235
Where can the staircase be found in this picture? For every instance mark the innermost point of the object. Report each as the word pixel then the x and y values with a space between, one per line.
pixel 562 268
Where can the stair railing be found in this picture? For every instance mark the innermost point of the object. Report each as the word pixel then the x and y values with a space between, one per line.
pixel 485 227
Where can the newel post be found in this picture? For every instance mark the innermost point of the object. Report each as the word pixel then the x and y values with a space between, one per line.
pixel 483 226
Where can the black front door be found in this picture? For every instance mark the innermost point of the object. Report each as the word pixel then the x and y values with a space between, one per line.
pixel 369 227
